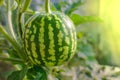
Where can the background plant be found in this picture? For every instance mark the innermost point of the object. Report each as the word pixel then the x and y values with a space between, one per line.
pixel 85 64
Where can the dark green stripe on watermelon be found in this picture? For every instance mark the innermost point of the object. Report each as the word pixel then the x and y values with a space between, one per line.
pixel 58 29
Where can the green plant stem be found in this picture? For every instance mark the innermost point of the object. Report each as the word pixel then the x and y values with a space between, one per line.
pixel 11 59
pixel 47 6
pixel 21 10
pixel 26 5
pixel 9 14
pixel 16 46
pixel 20 25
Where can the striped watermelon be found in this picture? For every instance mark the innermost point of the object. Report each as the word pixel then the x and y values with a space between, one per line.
pixel 49 39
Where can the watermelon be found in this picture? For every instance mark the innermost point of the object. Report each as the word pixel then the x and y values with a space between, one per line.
pixel 49 39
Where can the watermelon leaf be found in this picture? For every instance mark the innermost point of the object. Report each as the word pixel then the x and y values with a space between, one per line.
pixel 40 76
pixel 18 75
pixel 74 6
pixel 59 5
pixel 36 73
pixel 77 19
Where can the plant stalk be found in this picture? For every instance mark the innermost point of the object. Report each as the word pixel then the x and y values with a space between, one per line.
pixel 26 5
pixel 21 10
pixel 47 6
pixel 9 14
pixel 11 59
pixel 20 24
pixel 16 46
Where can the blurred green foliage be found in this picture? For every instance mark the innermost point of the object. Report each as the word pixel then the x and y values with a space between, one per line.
pixel 85 64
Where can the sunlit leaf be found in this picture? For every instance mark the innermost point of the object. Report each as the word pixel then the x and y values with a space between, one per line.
pixel 77 19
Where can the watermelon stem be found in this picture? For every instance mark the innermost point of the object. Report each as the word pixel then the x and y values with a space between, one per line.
pixel 47 6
